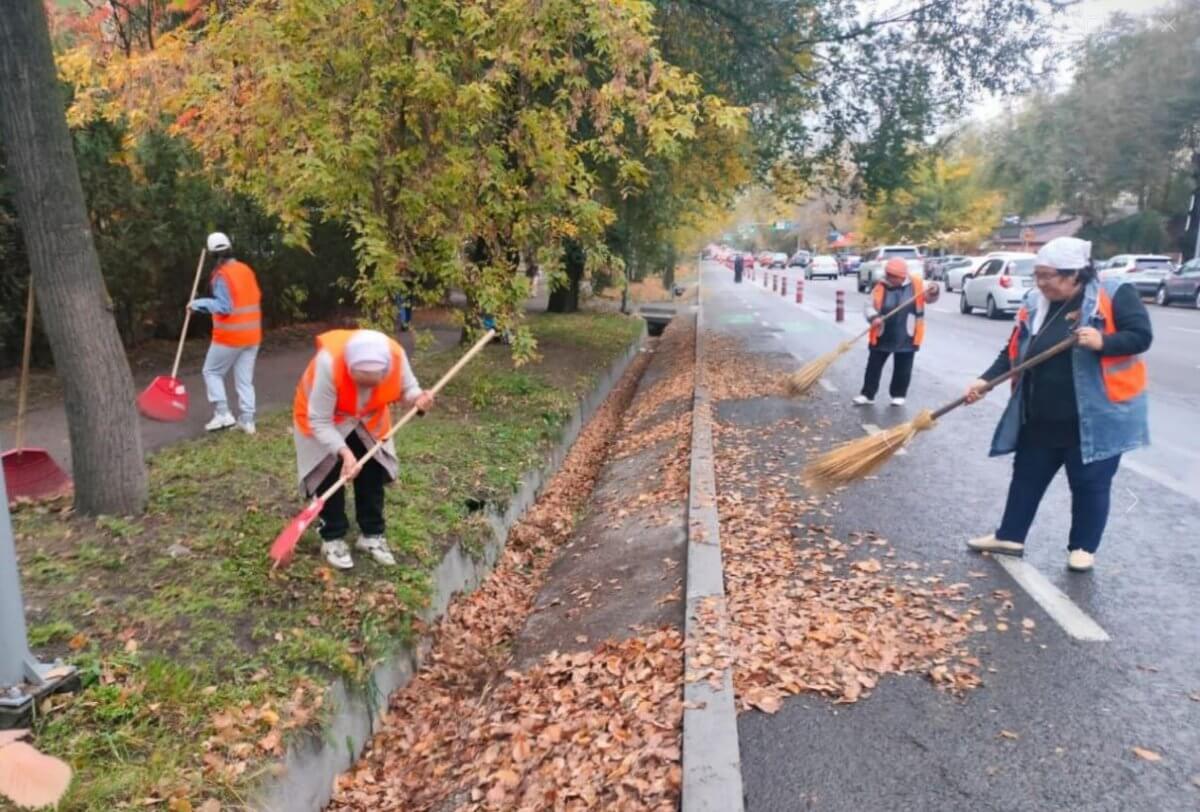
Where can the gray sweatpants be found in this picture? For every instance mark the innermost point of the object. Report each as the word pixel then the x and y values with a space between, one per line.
pixel 217 363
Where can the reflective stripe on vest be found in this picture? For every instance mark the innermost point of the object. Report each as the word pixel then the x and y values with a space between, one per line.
pixel 242 326
pixel 877 296
pixel 1124 375
pixel 374 414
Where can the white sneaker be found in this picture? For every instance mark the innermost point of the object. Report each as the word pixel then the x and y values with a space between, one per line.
pixel 377 546
pixel 1080 561
pixel 862 400
pixel 991 544
pixel 897 401
pixel 337 554
pixel 247 427
pixel 222 420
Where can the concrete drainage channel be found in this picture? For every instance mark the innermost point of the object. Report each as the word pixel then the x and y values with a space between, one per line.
pixel 712 769
pixel 312 765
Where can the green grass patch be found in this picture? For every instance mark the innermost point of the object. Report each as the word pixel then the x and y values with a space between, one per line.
pixel 193 654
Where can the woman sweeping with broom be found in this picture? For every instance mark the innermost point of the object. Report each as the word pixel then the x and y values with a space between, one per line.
pixel 903 295
pixel 1080 409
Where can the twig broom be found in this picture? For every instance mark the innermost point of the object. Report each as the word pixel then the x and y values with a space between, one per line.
pixel 806 377
pixel 856 459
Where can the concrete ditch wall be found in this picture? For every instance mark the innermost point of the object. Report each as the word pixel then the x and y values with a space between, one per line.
pixel 312 764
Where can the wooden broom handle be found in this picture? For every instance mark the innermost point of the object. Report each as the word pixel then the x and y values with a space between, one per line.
pixel 1045 355
pixel 23 389
pixel 437 387
pixel 187 313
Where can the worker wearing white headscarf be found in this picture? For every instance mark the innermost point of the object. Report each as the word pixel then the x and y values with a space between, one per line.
pixel 340 410
pixel 1081 409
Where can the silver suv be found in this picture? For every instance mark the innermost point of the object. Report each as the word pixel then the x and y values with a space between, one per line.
pixel 870 270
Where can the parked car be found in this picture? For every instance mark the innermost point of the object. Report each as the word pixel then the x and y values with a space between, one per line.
pixel 849 263
pixel 871 269
pixel 956 277
pixel 822 265
pixel 800 259
pixel 1145 272
pixel 778 260
pixel 1182 285
pixel 936 268
pixel 999 287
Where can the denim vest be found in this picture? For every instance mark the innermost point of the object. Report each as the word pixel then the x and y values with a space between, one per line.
pixel 1106 429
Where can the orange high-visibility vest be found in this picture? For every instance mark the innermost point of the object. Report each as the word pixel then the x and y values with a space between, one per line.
pixel 374 414
pixel 919 292
pixel 1124 375
pixel 242 326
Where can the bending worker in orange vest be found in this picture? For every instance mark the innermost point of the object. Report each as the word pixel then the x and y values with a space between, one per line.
pixel 236 312
pixel 901 335
pixel 341 410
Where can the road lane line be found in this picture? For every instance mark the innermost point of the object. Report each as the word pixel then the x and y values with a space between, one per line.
pixel 1185 329
pixel 871 428
pixel 826 385
pixel 1073 620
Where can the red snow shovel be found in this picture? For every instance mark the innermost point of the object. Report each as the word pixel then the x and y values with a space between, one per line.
pixel 165 398
pixel 285 543
pixel 31 473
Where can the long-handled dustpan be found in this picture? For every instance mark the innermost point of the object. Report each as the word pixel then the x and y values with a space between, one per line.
pixel 31 473
pixel 166 398
pixel 285 543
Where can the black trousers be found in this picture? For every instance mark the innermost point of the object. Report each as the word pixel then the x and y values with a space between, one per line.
pixel 902 364
pixel 368 497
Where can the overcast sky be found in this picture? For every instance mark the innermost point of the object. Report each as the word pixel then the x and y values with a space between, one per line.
pixel 1087 17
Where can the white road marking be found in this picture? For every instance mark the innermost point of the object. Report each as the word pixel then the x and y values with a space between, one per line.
pixel 871 428
pixel 1185 329
pixel 1074 621
pixel 826 385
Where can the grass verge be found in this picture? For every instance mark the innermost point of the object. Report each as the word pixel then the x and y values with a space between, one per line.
pixel 198 663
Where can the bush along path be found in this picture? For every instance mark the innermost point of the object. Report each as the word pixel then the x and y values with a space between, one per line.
pixel 558 683
pixel 199 667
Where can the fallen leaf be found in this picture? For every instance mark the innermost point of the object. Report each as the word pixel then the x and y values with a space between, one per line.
pixel 768 704
pixel 77 642
pixel 1008 734
pixel 1146 755
pixel 270 742
pixel 507 778
pixel 1028 624
pixel 131 646
pixel 179 805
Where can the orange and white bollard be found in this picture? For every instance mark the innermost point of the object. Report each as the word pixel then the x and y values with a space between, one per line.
pixel 840 312
pixel 783 286
pixel 800 290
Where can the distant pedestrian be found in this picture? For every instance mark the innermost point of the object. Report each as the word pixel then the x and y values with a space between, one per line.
pixel 340 410
pixel 235 307
pixel 900 336
pixel 403 313
pixel 739 267
pixel 1081 409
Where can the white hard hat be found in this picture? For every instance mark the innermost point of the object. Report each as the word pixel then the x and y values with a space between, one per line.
pixel 218 242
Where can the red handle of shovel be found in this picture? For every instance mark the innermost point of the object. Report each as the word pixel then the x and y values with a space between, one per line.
pixel 285 543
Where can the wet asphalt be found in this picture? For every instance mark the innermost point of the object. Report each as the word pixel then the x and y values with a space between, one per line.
pixel 1077 709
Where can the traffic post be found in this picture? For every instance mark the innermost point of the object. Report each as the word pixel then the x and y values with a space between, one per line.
pixel 800 290
pixel 840 312
pixel 783 287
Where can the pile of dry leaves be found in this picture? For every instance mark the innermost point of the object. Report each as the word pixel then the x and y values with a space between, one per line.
pixel 809 612
pixel 598 729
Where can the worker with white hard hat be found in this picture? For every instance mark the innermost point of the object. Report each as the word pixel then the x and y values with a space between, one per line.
pixel 236 310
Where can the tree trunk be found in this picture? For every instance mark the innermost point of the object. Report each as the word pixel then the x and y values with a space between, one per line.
pixel 106 445
pixel 566 299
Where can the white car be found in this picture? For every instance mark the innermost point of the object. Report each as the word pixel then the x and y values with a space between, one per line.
pixel 1000 285
pixel 956 277
pixel 871 269
pixel 822 265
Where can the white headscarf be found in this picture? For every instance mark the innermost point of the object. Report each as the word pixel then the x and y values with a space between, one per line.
pixel 1065 254
pixel 368 351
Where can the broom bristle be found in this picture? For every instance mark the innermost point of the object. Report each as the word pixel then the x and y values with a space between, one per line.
pixel 806 377
pixel 856 459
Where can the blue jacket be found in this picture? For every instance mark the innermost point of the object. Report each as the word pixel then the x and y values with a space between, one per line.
pixel 1106 428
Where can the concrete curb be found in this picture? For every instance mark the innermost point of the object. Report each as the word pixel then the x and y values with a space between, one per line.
pixel 712 766
pixel 313 763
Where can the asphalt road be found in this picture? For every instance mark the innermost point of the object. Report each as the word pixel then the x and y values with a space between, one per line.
pixel 1077 707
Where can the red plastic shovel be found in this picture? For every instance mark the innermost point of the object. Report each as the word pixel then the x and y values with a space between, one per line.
pixel 166 398
pixel 285 543
pixel 31 473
